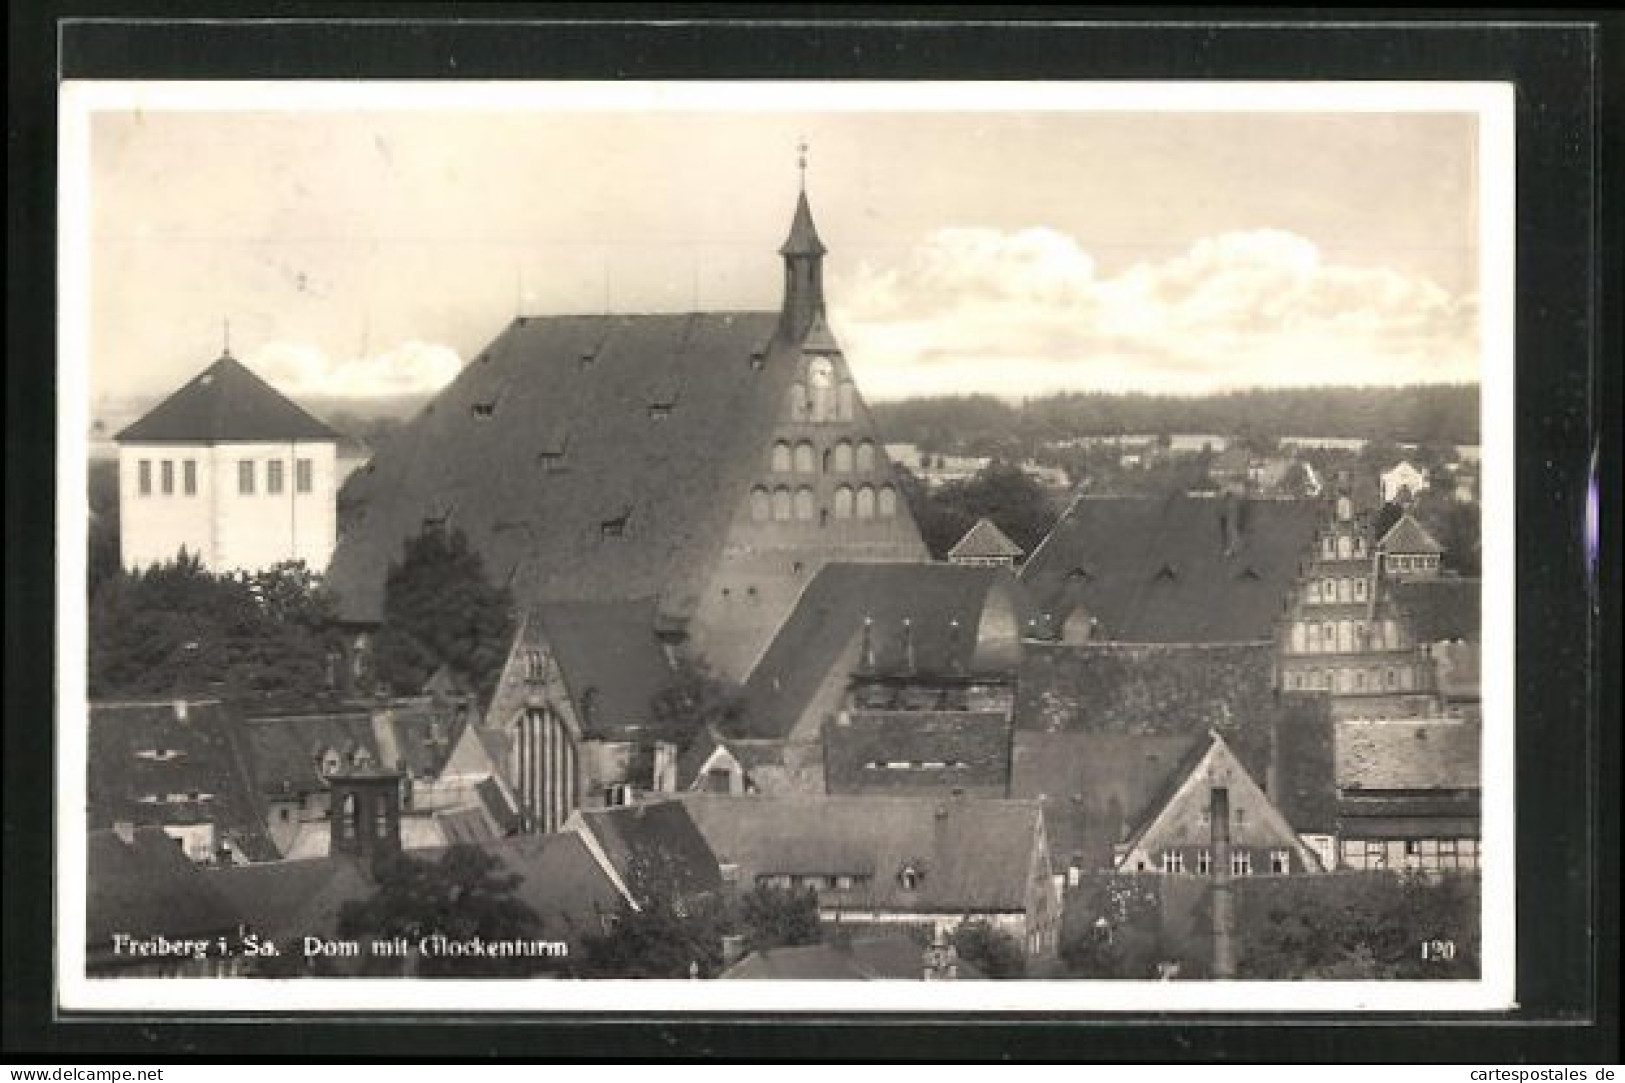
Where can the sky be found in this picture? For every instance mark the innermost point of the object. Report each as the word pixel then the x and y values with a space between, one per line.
pixel 369 251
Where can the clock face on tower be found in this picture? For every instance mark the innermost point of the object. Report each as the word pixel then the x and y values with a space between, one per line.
pixel 821 372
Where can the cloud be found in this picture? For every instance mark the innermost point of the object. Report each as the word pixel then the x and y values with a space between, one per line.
pixel 300 369
pixel 1027 311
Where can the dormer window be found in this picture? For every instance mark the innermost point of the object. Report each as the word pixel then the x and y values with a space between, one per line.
pixel 160 755
pixel 1168 572
pixel 484 409
pixel 910 878
pixel 659 411
pixel 613 528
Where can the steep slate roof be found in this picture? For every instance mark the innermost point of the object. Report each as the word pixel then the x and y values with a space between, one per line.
pixel 283 750
pixel 874 958
pixel 607 649
pixel 199 754
pixel 655 846
pixel 1156 569
pixel 1408 755
pixel 1096 788
pixel 225 403
pixel 803 239
pixel 829 619
pixel 973 854
pixel 548 434
pixel 290 899
pixel 145 887
pixel 1409 536
pixel 974 746
pixel 1143 689
pixel 1101 727
pixel 984 540
pixel 1441 608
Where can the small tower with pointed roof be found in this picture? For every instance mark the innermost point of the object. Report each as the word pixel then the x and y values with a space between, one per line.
pixel 230 470
pixel 803 254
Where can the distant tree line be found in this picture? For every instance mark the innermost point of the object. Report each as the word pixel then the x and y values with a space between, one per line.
pixel 983 424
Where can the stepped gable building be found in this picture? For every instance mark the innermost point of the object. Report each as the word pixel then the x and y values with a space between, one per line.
pixel 1344 634
pixel 230 470
pixel 1176 569
pixel 712 462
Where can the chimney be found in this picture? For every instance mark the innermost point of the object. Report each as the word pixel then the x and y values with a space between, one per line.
pixel 179 707
pixel 908 645
pixel 867 657
pixel 941 961
pixel 733 949
pixel 125 830
pixel 1224 948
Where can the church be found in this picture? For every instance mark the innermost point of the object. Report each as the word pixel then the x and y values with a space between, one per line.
pixel 705 464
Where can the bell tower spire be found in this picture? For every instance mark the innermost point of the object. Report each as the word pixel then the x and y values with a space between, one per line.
pixel 803 256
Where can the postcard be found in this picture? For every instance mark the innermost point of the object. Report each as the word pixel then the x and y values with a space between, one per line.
pixel 786 547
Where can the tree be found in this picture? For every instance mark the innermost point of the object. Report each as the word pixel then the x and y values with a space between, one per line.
pixel 996 953
pixel 1358 925
pixel 696 699
pixel 177 628
pixel 665 936
pixel 439 609
pixel 774 917
pixel 463 895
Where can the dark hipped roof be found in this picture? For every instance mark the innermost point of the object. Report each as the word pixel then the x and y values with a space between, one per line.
pixel 655 847
pixel 971 747
pixel 1408 755
pixel 225 403
pixel 1143 689
pixel 291 899
pixel 610 660
pixel 984 540
pixel 147 887
pixel 829 619
pixel 973 854
pixel 1441 608
pixel 872 958
pixel 145 763
pixel 1159 569
pixel 1409 536
pixel 284 752
pixel 549 434
pixel 1096 788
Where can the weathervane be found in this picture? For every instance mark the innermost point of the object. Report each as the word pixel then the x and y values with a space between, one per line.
pixel 801 161
pixel 226 352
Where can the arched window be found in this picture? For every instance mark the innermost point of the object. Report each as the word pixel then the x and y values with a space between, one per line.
pixel 781 504
pixel 887 502
pixel 843 502
pixel 866 456
pixel 806 458
pixel 843 457
pixel 761 504
pixel 781 457
pixel 866 502
pixel 804 504
pixel 846 402
pixel 1343 547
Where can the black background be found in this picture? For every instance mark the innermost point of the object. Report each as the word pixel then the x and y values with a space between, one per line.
pixel 1568 406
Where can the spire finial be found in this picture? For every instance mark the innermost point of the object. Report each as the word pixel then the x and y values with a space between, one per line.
pixel 801 161
pixel 226 337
